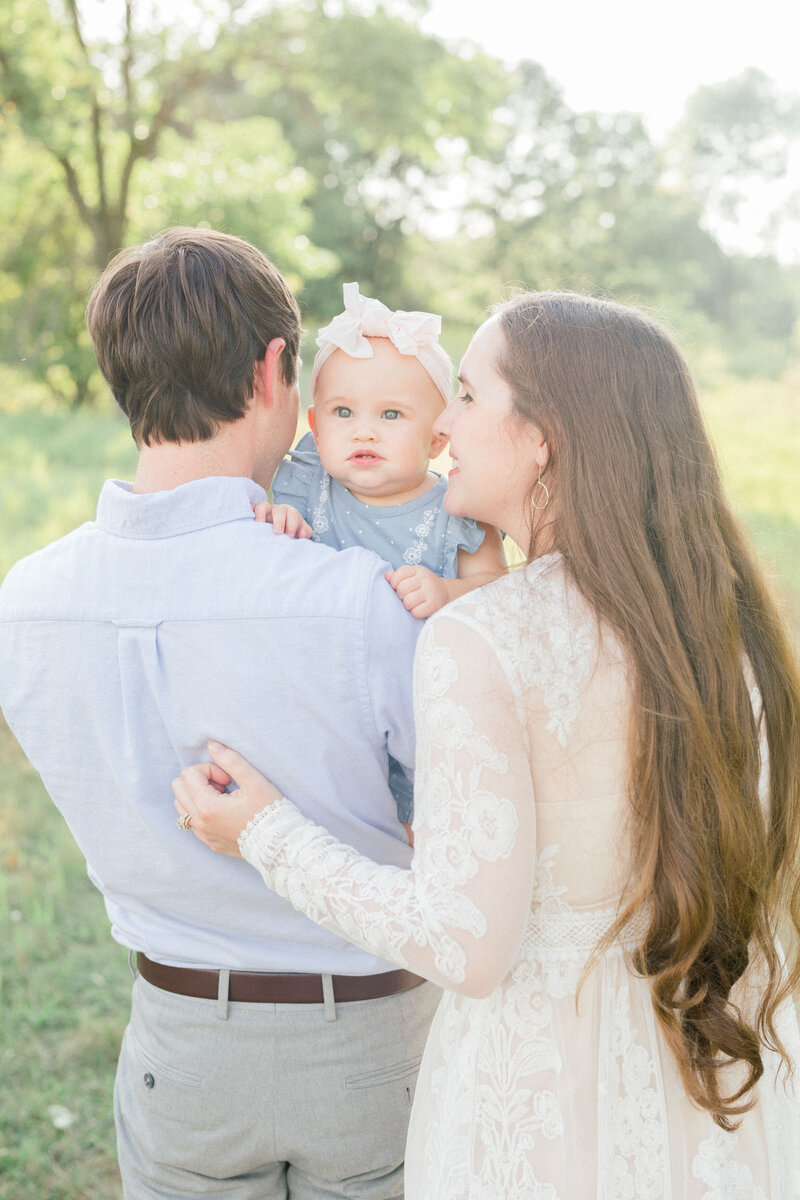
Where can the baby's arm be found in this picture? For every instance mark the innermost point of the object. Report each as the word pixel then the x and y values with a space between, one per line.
pixel 423 593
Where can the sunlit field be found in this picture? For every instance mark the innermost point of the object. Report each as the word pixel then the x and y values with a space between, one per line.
pixel 64 982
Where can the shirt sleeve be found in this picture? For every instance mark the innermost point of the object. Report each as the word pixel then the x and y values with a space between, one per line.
pixel 390 640
pixel 295 476
pixel 457 916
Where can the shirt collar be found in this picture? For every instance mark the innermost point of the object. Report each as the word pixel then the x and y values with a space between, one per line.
pixel 192 506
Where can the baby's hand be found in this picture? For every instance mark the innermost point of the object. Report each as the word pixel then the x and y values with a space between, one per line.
pixel 283 518
pixel 422 592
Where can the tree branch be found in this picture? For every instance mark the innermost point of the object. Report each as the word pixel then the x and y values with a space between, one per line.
pixel 74 188
pixel 97 116
pixel 72 8
pixel 143 148
pixel 163 119
pixel 126 65
pixel 99 155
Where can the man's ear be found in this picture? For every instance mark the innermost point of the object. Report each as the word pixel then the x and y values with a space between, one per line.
pixel 438 443
pixel 312 422
pixel 266 369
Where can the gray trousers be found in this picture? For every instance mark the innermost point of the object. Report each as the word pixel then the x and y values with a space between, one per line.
pixel 267 1101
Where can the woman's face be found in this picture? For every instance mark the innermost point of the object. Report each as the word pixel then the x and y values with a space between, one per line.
pixel 496 454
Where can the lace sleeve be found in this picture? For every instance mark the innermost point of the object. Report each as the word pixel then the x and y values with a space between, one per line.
pixel 458 915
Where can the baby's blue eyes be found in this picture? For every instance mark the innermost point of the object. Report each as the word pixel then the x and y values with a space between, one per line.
pixel 391 414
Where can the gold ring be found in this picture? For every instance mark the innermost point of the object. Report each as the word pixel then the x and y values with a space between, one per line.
pixel 184 822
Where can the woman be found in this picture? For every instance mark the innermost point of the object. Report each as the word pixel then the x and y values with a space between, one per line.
pixel 602 851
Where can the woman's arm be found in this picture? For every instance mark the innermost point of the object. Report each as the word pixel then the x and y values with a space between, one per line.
pixel 458 915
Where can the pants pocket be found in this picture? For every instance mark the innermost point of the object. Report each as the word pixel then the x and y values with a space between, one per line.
pixel 158 1069
pixel 398 1071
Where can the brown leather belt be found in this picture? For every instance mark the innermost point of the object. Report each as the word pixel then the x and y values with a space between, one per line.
pixel 258 988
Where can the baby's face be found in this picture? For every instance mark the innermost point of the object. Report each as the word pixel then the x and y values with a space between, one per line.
pixel 373 423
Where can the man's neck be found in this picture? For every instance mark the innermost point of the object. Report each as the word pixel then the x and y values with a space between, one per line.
pixel 167 465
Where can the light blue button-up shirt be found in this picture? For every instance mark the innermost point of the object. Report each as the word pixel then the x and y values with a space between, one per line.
pixel 174 618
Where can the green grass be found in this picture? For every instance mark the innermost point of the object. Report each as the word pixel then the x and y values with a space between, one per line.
pixel 64 983
pixel 52 466
pixel 756 428
pixel 64 988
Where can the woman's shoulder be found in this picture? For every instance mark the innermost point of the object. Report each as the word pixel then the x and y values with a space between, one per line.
pixel 506 607
pixel 533 615
pixel 548 640
pixel 543 587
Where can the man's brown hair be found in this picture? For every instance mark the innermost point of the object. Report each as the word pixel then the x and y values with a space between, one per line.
pixel 178 325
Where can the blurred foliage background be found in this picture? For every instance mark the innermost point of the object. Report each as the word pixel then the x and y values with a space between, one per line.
pixel 348 145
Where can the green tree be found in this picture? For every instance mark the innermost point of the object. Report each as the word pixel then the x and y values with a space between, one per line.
pixel 733 151
pixel 83 118
pixel 351 146
pixel 46 270
pixel 576 200
pixel 100 106
pixel 588 201
pixel 372 108
pixel 314 135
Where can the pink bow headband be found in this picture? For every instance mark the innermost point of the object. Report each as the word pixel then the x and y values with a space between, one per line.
pixel 413 333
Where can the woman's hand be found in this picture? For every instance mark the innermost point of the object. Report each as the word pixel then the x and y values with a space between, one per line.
pixel 215 816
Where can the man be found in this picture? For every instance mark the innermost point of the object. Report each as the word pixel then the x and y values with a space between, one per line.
pixel 264 1057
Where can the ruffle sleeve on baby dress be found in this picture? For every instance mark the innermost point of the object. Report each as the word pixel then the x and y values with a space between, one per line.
pixel 298 478
pixel 462 533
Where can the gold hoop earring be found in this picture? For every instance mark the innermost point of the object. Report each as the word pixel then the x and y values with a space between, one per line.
pixel 540 484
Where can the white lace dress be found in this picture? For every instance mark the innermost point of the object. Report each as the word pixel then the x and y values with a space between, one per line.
pixel 528 1091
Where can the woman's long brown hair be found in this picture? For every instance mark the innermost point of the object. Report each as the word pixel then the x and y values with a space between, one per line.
pixel 652 543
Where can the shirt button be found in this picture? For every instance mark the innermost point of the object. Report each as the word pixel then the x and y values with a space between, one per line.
pixel 149 1081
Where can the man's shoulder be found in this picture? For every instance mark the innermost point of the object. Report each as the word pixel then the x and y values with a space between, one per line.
pixel 340 581
pixel 43 567
pixel 309 580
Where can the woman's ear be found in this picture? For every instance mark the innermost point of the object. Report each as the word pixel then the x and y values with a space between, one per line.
pixel 541 450
pixel 312 422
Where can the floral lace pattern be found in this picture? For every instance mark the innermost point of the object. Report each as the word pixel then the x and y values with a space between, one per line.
pixel 554 657
pixel 319 516
pixel 723 1176
pixel 540 1081
pixel 635 1118
pixel 413 554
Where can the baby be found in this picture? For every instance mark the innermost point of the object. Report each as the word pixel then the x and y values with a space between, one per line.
pixel 362 477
